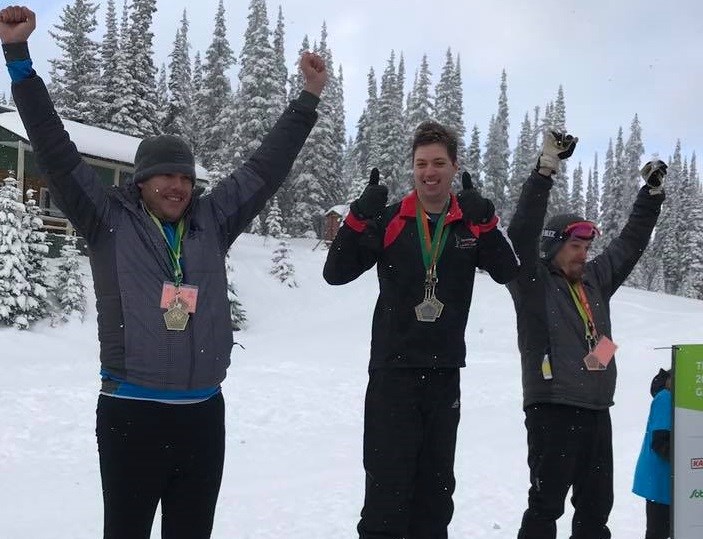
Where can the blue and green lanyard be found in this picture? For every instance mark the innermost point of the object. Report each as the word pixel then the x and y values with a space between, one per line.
pixel 174 247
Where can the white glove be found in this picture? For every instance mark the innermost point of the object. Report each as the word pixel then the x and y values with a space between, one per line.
pixel 556 146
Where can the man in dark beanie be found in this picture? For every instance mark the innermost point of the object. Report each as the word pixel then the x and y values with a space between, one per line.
pixel 562 302
pixel 157 250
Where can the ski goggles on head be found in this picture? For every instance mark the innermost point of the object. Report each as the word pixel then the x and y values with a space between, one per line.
pixel 582 230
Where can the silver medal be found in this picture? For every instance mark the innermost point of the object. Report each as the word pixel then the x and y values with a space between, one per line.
pixel 431 308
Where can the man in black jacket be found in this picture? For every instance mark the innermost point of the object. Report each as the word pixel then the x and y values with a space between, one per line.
pixel 157 248
pixel 562 302
pixel 426 249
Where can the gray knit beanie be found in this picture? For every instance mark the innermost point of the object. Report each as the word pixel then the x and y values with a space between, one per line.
pixel 163 154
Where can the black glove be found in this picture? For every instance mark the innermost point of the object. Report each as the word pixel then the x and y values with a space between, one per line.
pixel 556 146
pixel 475 208
pixel 653 174
pixel 373 200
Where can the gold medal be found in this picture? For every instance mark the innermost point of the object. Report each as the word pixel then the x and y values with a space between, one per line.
pixel 176 317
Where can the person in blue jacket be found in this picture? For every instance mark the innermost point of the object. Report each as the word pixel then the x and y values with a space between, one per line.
pixel 653 472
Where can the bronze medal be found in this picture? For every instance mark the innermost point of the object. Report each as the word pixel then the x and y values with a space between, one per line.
pixel 176 317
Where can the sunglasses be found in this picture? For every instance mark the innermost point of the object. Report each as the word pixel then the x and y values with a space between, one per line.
pixel 582 230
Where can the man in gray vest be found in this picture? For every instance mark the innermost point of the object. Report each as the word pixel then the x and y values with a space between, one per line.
pixel 157 250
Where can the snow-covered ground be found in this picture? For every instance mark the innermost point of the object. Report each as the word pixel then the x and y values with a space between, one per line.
pixel 294 411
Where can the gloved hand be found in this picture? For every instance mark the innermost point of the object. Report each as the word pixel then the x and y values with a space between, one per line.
pixel 556 146
pixel 475 208
pixel 653 173
pixel 373 200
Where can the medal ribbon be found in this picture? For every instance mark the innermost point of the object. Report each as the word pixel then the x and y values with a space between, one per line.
pixel 174 251
pixel 431 247
pixel 578 294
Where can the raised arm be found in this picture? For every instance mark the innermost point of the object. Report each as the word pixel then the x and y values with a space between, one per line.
pixel 359 242
pixel 495 252
pixel 240 197
pixel 73 183
pixel 618 259
pixel 527 222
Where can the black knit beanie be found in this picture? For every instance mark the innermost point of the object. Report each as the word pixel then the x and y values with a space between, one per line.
pixel 551 235
pixel 163 154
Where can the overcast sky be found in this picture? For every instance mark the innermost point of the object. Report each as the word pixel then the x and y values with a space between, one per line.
pixel 614 58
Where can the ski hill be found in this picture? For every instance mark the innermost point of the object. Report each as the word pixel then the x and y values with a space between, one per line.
pixel 294 399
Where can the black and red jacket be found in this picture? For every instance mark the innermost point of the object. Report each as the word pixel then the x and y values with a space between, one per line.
pixel 398 339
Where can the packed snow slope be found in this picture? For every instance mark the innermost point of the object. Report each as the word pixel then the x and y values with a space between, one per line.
pixel 294 398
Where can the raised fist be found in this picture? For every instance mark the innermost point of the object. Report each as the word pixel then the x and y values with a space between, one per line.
pixel 653 173
pixel 556 146
pixel 314 72
pixel 16 24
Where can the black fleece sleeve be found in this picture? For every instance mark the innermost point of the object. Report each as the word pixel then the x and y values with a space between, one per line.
pixel 661 443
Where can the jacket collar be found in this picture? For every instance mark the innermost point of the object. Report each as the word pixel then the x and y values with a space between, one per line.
pixel 408 207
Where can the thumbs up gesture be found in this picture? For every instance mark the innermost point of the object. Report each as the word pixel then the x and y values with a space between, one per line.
pixel 476 209
pixel 373 200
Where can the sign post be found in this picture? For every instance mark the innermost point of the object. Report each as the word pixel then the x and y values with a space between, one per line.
pixel 687 454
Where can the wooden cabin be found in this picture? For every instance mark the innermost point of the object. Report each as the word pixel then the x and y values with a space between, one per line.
pixel 111 154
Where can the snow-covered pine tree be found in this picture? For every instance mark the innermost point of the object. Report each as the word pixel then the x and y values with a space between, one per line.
pixel 559 195
pixel 418 109
pixel 473 162
pixel 69 289
pixel 522 165
pixel 259 96
pixel 74 75
pixel 449 106
pixel 497 154
pixel 179 110
pixel 108 83
pixel 316 176
pixel 286 193
pixel 667 240
pixel 420 103
pixel 577 201
pixel 392 142
pixel 351 172
pixel 274 221
pixel 136 104
pixel 37 250
pixel 15 289
pixel 197 118
pixel 255 226
pixel 162 97
pixel 592 212
pixel 282 267
pixel 692 234
pixel 237 314
pixel 279 57
pixel 632 163
pixel 613 192
pixel 366 142
pixel 214 103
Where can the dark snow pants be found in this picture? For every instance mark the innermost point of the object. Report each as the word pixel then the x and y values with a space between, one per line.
pixel 658 521
pixel 151 452
pixel 568 447
pixel 410 424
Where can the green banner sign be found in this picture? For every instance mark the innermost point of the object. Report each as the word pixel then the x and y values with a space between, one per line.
pixel 688 372
pixel 687 438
